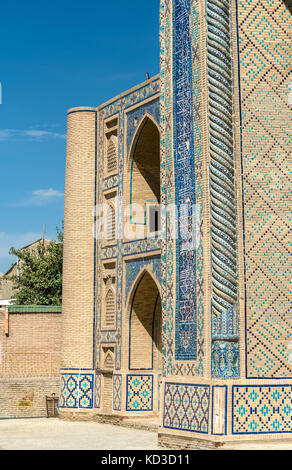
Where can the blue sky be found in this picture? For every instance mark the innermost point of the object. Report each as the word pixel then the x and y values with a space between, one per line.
pixel 55 55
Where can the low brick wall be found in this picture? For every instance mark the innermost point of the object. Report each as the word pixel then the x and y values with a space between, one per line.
pixel 30 353
pixel 25 397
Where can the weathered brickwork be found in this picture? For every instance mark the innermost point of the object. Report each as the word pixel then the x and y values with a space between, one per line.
pixel 26 397
pixel 30 356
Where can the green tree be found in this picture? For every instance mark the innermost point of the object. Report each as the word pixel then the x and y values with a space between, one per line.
pixel 39 281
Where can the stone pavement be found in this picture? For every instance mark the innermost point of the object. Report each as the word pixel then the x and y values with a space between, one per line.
pixel 55 434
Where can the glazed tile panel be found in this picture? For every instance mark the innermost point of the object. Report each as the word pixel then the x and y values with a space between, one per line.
pixel 117 392
pixel 76 391
pixel 262 410
pixel 186 331
pixel 139 392
pixel 264 30
pixel 167 186
pixel 181 181
pixel 97 391
pixel 186 407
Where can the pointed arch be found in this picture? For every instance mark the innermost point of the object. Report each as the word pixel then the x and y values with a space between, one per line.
pixel 109 361
pixel 145 269
pixel 144 308
pixel 140 126
pixel 144 165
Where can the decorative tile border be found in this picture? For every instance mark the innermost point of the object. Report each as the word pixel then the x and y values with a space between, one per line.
pixel 181 354
pixel 139 392
pixel 263 409
pixel 117 392
pixel 97 391
pixel 186 407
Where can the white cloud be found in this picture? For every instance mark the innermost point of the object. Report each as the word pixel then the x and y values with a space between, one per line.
pixel 47 193
pixel 8 134
pixel 41 197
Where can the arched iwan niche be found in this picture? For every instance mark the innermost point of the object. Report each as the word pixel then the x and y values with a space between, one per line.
pixel 145 325
pixel 145 166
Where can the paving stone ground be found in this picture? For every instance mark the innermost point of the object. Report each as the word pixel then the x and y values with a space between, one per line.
pixel 55 434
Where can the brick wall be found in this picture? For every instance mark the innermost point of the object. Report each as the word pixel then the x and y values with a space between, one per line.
pixel 78 265
pixel 26 397
pixel 29 360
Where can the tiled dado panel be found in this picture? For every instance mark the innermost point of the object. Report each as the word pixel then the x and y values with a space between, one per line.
pixel 186 407
pixel 117 392
pixel 139 392
pixel 262 409
pixel 77 390
pixel 97 391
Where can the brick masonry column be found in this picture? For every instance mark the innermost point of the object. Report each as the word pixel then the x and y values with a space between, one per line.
pixel 78 268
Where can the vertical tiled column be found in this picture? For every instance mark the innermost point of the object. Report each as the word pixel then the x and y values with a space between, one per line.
pixel 224 271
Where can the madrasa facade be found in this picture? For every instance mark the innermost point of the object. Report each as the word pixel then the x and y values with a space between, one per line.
pixel 176 295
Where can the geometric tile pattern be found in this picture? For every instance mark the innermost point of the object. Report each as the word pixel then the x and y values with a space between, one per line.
pixel 167 186
pixel 266 119
pixel 117 392
pixel 139 392
pixel 186 407
pixel 131 248
pixel 97 391
pixel 76 391
pixel 262 409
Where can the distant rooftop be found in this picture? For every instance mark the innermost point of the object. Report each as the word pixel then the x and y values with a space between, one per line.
pixel 31 245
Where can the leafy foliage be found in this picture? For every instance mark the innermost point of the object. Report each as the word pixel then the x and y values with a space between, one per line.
pixel 39 280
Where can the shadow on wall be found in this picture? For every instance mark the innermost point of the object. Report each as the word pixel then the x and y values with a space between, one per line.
pixel 288 4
